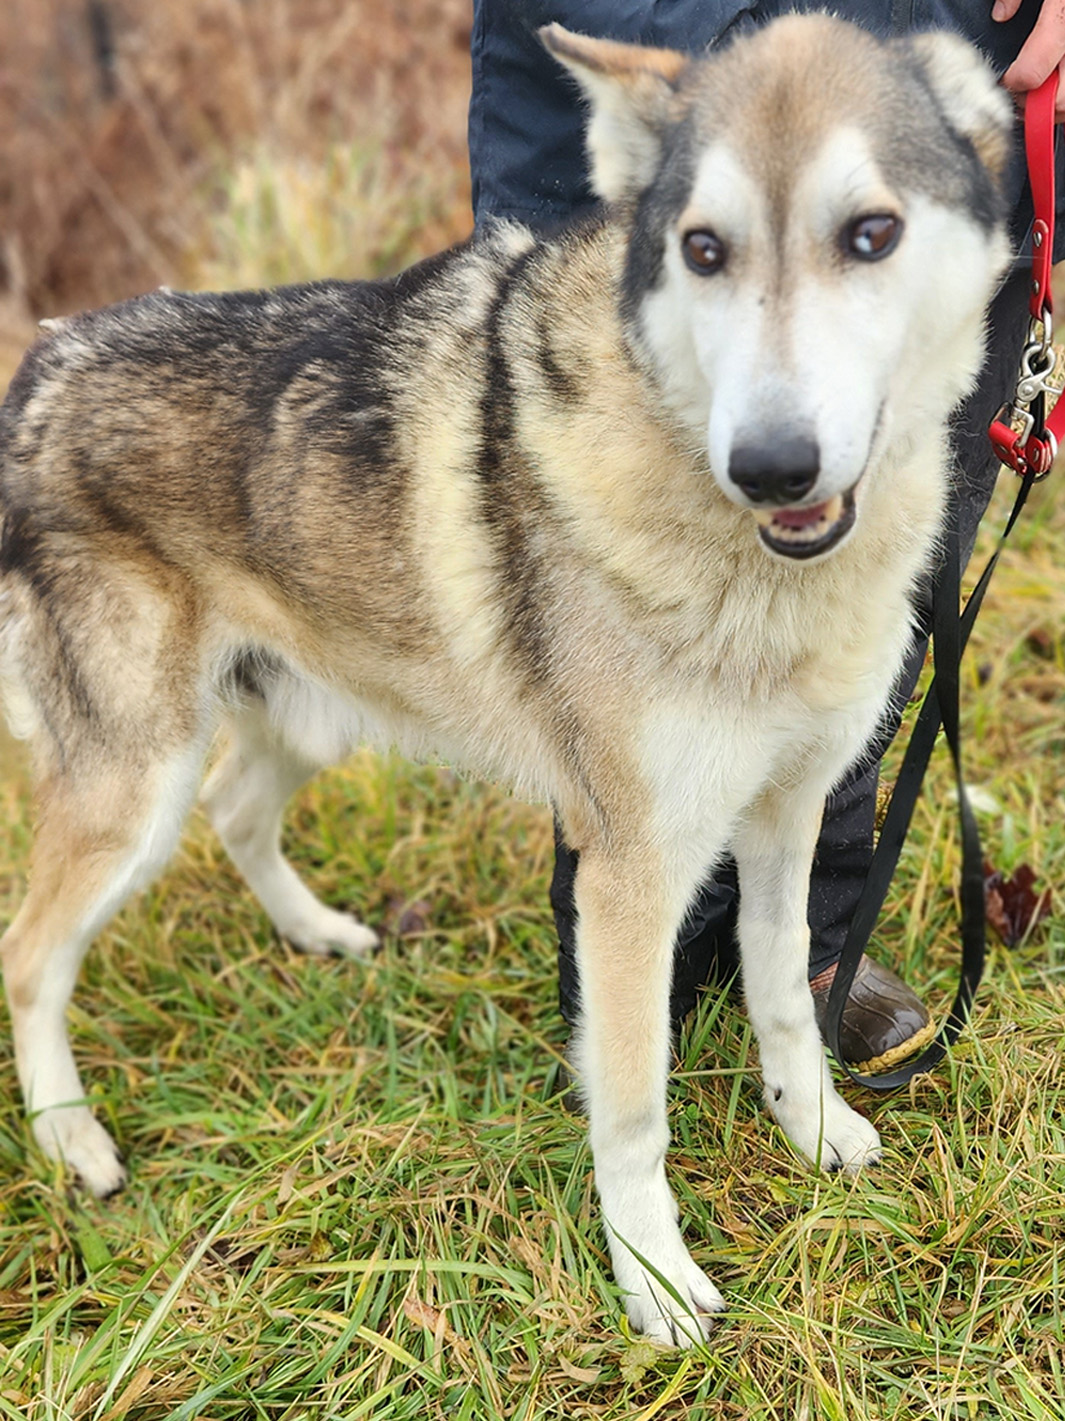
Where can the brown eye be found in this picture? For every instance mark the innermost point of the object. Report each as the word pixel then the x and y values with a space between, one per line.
pixel 872 237
pixel 703 252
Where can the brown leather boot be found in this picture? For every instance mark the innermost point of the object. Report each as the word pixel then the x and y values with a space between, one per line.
pixel 883 1021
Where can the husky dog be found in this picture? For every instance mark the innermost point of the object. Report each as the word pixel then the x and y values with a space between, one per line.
pixel 628 517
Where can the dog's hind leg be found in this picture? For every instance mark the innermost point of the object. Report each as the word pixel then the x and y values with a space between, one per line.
pixel 245 796
pixel 103 832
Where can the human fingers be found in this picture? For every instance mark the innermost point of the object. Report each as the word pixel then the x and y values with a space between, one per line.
pixel 1042 52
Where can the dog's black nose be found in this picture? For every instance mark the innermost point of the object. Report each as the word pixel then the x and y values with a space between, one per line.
pixel 780 471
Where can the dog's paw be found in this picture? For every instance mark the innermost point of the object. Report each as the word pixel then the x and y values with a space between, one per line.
pixel 330 933
pixel 680 1315
pixel 73 1135
pixel 667 1295
pixel 829 1134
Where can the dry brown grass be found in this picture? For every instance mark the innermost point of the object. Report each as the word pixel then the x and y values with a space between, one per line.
pixel 122 123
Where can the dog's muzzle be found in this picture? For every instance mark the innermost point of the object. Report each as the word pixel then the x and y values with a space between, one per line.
pixel 777 471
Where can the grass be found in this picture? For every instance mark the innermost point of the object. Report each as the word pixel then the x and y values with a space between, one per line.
pixel 357 1192
pixel 276 219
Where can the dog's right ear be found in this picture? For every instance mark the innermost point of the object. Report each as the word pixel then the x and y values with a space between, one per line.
pixel 632 91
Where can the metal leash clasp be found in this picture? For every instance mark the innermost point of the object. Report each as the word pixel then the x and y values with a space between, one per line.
pixel 1018 432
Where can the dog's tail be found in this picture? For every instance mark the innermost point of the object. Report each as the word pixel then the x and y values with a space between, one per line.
pixel 7 609
pixel 20 710
pixel 22 716
pixel 21 713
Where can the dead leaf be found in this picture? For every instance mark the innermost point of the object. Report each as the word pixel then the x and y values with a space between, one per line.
pixel 403 919
pixel 287 1186
pixel 1040 642
pixel 421 1312
pixel 1014 908
pixel 435 1321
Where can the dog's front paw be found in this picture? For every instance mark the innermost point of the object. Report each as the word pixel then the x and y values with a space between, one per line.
pixel 73 1134
pixel 827 1132
pixel 329 933
pixel 667 1295
pixel 678 1315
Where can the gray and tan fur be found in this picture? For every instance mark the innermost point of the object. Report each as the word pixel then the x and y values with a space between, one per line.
pixel 524 507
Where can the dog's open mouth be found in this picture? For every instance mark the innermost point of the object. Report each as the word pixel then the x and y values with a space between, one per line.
pixel 806 532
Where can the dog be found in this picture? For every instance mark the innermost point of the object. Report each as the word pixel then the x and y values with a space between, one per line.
pixel 628 517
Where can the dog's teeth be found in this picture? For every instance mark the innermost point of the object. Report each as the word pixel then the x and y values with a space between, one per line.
pixel 806 526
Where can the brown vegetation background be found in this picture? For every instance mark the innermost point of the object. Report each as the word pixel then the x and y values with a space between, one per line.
pixel 201 142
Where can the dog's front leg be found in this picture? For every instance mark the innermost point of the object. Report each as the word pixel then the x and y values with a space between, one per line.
pixel 625 951
pixel 774 850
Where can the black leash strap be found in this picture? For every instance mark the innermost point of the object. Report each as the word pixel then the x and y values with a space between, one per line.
pixel 940 707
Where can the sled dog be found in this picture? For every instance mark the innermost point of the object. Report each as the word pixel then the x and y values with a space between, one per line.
pixel 628 517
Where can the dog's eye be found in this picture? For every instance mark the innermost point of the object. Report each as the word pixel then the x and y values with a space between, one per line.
pixel 704 252
pixel 872 237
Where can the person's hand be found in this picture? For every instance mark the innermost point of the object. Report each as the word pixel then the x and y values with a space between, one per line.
pixel 1042 52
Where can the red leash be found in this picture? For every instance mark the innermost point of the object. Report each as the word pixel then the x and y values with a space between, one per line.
pixel 1032 448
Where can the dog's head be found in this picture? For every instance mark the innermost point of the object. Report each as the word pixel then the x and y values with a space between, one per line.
pixel 815 229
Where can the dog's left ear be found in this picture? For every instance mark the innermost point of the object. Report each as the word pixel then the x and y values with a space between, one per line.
pixel 633 93
pixel 975 104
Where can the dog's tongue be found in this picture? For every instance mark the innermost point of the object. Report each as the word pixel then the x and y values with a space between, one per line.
pixel 806 532
pixel 798 520
pixel 800 517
